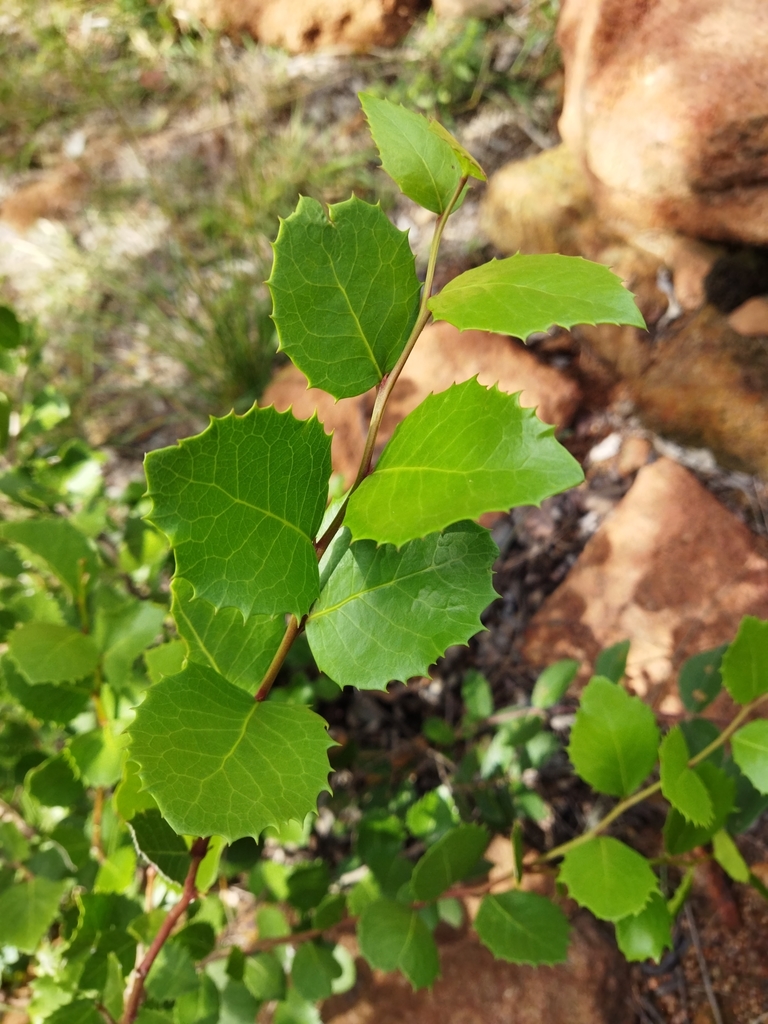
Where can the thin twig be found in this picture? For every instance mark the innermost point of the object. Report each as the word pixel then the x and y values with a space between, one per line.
pixel 702 964
pixel 189 893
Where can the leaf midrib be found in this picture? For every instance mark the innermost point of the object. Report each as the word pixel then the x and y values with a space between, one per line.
pixel 380 586
pixel 255 508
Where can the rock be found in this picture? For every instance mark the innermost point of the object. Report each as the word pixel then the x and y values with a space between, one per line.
pixel 696 381
pixel 591 988
pixel 750 319
pixel 52 196
pixel 539 204
pixel 442 356
pixel 666 104
pixel 305 25
pixel 635 452
pixel 670 569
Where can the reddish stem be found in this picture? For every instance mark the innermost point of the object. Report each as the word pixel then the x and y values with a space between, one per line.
pixel 189 893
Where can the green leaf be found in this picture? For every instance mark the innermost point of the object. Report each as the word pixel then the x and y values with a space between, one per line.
pixel 448 860
pixel 130 633
pixel 330 911
pixel 48 702
pixel 99 755
pixel 208 872
pixel 700 679
pixel 198 938
pixel 13 845
pixel 114 988
pixel 612 662
pixel 240 651
pixel 117 872
pixel 608 878
pixel 130 797
pixel 11 331
pixel 433 815
pixel 48 653
pixel 750 752
pixel 745 664
pixel 160 845
pixel 423 165
pixel 27 911
pixel 102 929
pixel 218 762
pixel 307 884
pixel 172 974
pixel 386 614
pixel 646 935
pixel 679 783
pixel 393 936
pixel 523 928
pixel 198 1007
pixel 470 168
pixel 263 976
pixel 366 891
pixel 81 1011
pixel 438 731
pixel 680 835
pixel 313 970
pixel 523 294
pixel 345 294
pixel 552 684
pixel 748 803
pixel 271 923
pixel 294 1010
pixel 729 858
pixel 241 503
pixel 462 452
pixel 700 733
pixel 614 738
pixel 166 659
pixel 477 697
pixel 55 782
pixel 63 548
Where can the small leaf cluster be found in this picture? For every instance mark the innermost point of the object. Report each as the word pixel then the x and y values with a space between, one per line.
pixel 161 736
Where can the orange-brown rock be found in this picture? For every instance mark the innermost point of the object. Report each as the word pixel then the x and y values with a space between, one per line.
pixel 591 988
pixel 671 570
pixel 697 380
pixel 304 25
pixel 666 102
pixel 52 196
pixel 442 356
pixel 538 204
pixel 750 319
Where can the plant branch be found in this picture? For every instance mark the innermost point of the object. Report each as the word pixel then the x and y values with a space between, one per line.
pixel 390 379
pixel 189 893
pixel 643 794
pixel 383 393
